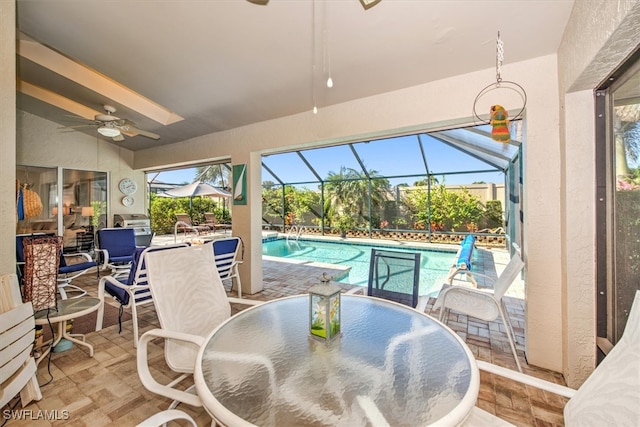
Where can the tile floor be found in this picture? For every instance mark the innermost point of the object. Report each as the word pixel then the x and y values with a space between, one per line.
pixel 105 390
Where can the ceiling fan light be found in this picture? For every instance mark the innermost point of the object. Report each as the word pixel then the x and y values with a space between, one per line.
pixel 108 131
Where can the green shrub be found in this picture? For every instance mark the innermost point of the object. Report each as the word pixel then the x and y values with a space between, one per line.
pixel 164 209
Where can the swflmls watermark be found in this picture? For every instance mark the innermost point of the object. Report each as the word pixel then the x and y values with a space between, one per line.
pixel 36 414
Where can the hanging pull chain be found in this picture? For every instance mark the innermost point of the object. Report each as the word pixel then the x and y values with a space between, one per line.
pixel 499 58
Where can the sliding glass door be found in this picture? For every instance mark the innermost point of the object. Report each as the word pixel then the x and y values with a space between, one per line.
pixel 618 183
pixel 69 202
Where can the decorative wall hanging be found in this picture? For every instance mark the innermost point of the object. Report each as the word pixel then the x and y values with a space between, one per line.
pixel 499 117
pixel 28 203
pixel 240 184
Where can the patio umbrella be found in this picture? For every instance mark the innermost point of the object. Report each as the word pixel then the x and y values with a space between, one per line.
pixel 197 189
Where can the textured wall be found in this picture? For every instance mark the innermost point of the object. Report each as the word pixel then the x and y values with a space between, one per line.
pixel 7 136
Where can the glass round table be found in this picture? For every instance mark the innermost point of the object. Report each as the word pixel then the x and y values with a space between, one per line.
pixel 391 365
pixel 64 311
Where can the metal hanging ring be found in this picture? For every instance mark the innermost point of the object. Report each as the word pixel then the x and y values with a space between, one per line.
pixel 502 84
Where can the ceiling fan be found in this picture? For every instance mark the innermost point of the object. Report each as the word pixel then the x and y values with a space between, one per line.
pixel 114 127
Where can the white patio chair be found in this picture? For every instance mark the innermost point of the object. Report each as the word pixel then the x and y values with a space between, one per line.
pixel 190 302
pixel 485 304
pixel 17 332
pixel 609 397
pixel 133 291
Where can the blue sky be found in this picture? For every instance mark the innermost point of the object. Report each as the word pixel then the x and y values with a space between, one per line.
pixel 392 157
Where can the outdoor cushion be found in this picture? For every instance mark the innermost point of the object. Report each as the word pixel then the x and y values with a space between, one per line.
pixel 466 251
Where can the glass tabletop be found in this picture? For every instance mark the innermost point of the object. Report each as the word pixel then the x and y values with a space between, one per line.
pixel 68 309
pixel 391 365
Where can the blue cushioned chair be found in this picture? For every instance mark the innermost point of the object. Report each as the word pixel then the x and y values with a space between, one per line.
pixel 134 291
pixel 117 247
pixel 226 253
pixel 66 271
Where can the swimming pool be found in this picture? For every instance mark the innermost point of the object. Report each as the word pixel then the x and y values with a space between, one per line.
pixel 434 264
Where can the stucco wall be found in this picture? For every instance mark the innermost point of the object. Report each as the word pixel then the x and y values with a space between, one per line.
pixel 7 136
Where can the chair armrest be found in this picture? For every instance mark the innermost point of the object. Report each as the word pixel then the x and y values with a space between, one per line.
pixel 471 274
pixel 115 282
pixel 451 290
pixel 105 257
pixel 244 301
pixel 112 280
pixel 455 289
pixel 84 255
pixel 145 373
pixel 181 336
pixel 526 379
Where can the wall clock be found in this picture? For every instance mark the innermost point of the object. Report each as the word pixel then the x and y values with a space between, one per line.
pixel 127 186
pixel 127 201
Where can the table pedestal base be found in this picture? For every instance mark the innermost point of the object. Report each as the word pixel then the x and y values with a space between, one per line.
pixel 62 333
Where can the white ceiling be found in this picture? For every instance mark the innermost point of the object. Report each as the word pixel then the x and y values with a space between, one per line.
pixel 222 64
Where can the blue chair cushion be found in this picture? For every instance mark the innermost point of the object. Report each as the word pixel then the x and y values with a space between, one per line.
pixel 119 242
pixel 72 268
pixel 118 293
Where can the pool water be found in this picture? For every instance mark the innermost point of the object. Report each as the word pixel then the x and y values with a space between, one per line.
pixel 434 264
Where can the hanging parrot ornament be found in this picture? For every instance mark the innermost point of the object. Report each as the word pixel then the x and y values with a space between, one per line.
pixel 500 124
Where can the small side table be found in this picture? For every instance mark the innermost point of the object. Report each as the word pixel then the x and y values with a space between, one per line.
pixel 66 310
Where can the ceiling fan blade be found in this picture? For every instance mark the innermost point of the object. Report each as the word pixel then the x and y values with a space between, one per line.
pixel 134 131
pixel 88 125
pixel 148 134
pixel 118 138
pixel 73 116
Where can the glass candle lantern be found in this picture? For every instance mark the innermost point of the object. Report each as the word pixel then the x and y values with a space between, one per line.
pixel 324 311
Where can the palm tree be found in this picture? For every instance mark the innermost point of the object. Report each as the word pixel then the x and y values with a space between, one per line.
pixel 217 174
pixel 627 136
pixel 350 189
